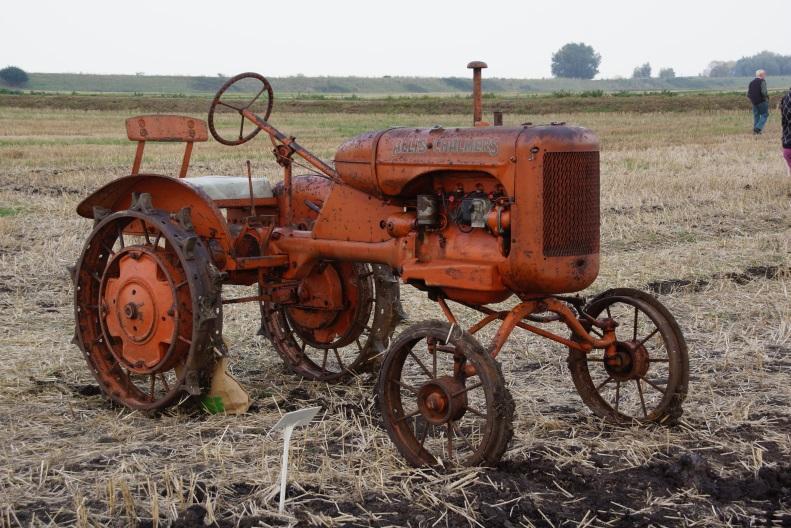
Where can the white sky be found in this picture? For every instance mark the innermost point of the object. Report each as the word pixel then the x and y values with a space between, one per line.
pixel 385 37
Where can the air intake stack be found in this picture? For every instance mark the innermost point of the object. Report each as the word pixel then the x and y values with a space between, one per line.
pixel 477 112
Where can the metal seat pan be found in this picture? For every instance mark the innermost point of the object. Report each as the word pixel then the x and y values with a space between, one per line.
pixel 231 187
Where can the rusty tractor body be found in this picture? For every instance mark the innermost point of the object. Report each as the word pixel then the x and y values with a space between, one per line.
pixel 472 215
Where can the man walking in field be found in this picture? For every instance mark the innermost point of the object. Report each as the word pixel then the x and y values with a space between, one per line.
pixel 785 116
pixel 759 97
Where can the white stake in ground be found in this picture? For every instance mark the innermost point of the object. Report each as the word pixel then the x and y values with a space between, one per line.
pixel 287 423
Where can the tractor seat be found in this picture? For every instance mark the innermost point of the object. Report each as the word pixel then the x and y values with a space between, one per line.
pixel 231 187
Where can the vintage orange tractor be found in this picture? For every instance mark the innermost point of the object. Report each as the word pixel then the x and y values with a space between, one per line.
pixel 474 215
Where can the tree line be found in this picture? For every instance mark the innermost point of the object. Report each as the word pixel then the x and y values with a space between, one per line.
pixel 578 60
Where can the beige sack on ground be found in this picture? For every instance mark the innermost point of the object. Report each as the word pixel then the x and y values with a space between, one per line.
pixel 226 394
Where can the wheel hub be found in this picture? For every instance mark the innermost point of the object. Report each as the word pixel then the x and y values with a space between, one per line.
pixel 442 400
pixel 320 299
pixel 139 308
pixel 630 361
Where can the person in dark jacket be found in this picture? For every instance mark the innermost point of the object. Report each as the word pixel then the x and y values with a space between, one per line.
pixel 785 117
pixel 759 97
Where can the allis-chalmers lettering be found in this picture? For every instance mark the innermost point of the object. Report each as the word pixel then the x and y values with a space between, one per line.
pixel 454 145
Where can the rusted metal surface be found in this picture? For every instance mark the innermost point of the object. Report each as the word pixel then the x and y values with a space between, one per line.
pixel 477 105
pixel 645 376
pixel 470 215
pixel 165 128
pixel 147 309
pixel 435 412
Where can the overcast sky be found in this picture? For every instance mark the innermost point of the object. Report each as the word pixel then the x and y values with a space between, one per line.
pixel 385 37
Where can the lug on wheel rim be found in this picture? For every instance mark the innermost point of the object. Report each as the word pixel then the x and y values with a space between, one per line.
pixel 137 320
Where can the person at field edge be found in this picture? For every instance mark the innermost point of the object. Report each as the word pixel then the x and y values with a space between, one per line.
pixel 758 95
pixel 785 118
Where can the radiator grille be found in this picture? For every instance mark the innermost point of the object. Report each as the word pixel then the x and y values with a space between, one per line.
pixel 571 203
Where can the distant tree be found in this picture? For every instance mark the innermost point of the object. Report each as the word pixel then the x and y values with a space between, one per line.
pixel 642 72
pixel 773 63
pixel 667 73
pixel 576 60
pixel 14 76
pixel 719 69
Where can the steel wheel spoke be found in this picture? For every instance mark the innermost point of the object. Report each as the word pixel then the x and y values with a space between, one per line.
pixel 476 412
pixel 653 385
pixel 408 416
pixel 642 399
pixel 617 394
pixel 649 336
pixel 324 359
pixel 241 129
pixel 636 313
pixel 605 382
pixel 406 386
pixel 422 366
pixel 164 382
pixel 659 360
pixel 153 384
pixel 457 430
pixel 467 389
pixel 424 434
pixel 338 357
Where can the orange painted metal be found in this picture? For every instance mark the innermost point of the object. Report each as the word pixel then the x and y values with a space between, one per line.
pixel 473 215
pixel 167 128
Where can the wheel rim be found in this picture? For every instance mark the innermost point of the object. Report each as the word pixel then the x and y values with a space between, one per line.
pixel 333 345
pixel 641 380
pixel 436 414
pixel 134 305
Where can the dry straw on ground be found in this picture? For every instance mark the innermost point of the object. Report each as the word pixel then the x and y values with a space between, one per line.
pixel 691 203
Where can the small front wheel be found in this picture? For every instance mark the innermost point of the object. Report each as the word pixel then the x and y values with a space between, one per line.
pixel 443 399
pixel 646 379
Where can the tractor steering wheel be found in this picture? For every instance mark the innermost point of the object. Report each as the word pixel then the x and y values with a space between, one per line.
pixel 238 106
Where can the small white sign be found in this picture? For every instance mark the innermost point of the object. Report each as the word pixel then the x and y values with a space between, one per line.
pixel 287 423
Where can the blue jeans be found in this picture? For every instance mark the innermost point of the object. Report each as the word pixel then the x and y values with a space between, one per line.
pixel 760 115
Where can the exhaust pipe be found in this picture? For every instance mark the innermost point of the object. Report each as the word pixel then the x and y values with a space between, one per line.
pixel 477 112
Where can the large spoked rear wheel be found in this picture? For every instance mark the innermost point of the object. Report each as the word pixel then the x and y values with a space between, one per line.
pixel 436 409
pixel 343 326
pixel 147 310
pixel 646 379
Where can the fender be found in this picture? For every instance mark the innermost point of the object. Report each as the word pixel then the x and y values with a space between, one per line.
pixel 168 194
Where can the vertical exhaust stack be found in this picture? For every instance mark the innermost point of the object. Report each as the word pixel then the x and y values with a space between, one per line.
pixel 477 112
